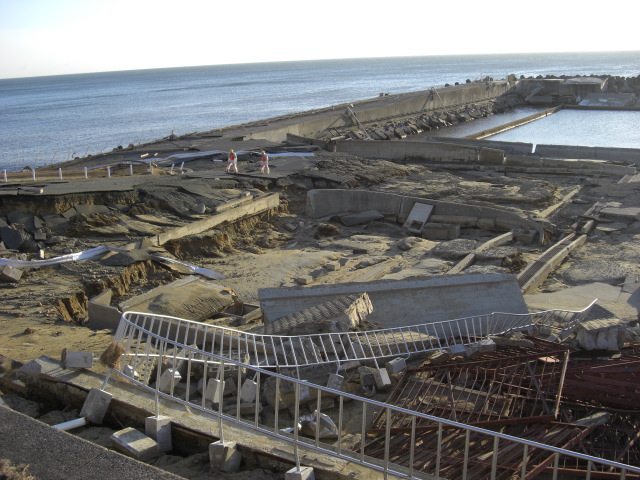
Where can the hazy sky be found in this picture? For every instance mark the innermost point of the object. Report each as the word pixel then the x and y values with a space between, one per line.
pixel 50 37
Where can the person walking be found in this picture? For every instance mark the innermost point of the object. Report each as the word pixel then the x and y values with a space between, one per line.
pixel 232 162
pixel 264 162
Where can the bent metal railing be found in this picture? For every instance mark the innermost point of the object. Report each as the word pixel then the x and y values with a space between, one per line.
pixel 170 368
pixel 213 380
pixel 292 352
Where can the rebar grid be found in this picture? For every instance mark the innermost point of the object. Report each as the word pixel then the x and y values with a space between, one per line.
pixel 508 383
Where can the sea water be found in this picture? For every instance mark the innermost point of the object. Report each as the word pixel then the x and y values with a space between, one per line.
pixel 47 120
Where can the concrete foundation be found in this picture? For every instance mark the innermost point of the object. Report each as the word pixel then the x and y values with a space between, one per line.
pixel 96 405
pixel 224 457
pixel 305 473
pixel 159 429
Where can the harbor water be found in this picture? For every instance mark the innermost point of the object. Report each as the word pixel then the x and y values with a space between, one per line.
pixel 46 120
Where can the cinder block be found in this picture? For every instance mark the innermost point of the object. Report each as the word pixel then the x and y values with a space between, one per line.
pixel 159 429
pixel 396 365
pixel 382 379
pixel 135 444
pixel 224 457
pixel 96 405
pixel 248 391
pixel 305 473
pixel 335 381
pixel 76 359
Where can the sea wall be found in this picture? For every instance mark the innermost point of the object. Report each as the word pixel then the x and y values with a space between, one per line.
pixel 352 119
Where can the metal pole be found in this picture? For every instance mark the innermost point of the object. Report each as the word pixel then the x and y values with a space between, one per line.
pixel 131 170
pixel 4 174
pixel 60 173
pixel 108 172
pixel 85 173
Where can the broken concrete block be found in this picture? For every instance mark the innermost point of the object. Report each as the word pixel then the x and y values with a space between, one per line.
pixel 159 429
pixel 335 381
pixel 602 334
pixel 304 473
pixel 215 390
pixel 382 379
pixel 168 380
pixel 76 359
pixel 96 405
pixel 248 391
pixel 135 444
pixel 396 365
pixel 224 457
pixel 130 372
pixel 10 274
pixel 514 339
pixel 304 280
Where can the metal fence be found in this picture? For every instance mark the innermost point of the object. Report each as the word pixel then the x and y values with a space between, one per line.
pixel 167 356
pixel 277 351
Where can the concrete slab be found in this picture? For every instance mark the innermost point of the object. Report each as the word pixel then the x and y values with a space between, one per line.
pixel 411 301
pixel 624 305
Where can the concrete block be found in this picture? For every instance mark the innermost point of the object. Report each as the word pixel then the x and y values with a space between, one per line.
pixel 224 457
pixel 168 380
pixel 135 444
pixel 457 351
pixel 130 372
pixel 602 334
pixel 333 266
pixel 305 280
pixel 335 381
pixel 486 223
pixel 525 236
pixel 214 391
pixel 229 387
pixel 348 366
pixel 382 379
pixel 159 429
pixel 396 365
pixel 248 391
pixel 486 345
pixel 76 359
pixel 305 473
pixel 10 274
pixel 96 405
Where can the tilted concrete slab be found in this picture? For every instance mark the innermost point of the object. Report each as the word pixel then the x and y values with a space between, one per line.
pixel 408 302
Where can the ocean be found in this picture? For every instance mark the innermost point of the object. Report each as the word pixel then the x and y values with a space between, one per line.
pixel 52 119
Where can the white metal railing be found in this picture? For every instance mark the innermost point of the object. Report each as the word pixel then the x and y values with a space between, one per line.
pixel 293 352
pixel 149 359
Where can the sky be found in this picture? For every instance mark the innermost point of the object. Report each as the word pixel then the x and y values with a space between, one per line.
pixel 54 37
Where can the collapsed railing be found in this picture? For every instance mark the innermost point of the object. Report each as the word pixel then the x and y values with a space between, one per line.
pixel 160 364
pixel 292 352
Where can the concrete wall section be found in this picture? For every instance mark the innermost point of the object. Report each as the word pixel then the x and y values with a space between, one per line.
pixel 509 147
pixel 629 155
pixel 398 303
pixel 401 151
pixel 329 202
